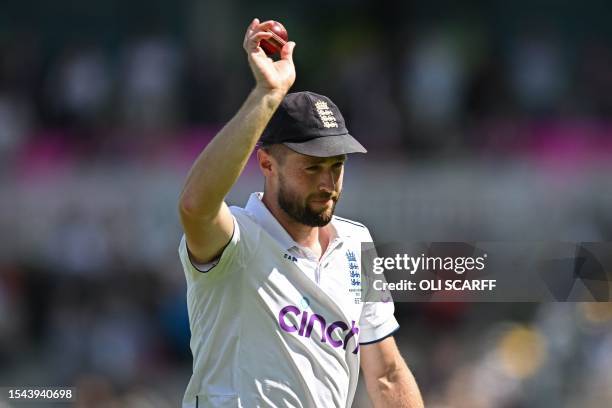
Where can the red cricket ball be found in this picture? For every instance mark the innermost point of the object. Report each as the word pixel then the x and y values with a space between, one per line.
pixel 279 38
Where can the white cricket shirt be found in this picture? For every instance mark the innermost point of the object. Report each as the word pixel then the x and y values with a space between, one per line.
pixel 273 326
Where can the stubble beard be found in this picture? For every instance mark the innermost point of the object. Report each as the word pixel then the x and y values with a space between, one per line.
pixel 301 212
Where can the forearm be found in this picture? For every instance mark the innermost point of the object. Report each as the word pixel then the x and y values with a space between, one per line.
pixel 220 164
pixel 397 389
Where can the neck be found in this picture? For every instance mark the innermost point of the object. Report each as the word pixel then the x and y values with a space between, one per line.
pixel 315 238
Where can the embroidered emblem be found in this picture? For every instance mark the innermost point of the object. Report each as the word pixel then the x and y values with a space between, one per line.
pixel 353 267
pixel 354 275
pixel 326 115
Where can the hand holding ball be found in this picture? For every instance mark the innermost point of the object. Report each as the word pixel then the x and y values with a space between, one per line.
pixel 275 43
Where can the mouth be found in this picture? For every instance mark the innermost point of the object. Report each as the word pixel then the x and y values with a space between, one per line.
pixel 323 199
pixel 322 202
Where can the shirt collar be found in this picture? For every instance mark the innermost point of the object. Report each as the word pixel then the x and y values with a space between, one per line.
pixel 268 222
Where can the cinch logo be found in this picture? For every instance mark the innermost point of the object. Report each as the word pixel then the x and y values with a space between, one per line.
pixel 306 325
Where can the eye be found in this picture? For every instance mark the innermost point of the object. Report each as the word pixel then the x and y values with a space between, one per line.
pixel 313 168
pixel 338 165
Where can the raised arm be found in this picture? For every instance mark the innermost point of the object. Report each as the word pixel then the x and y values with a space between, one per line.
pixel 388 379
pixel 205 217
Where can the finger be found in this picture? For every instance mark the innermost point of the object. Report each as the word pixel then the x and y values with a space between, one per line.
pixel 263 26
pixel 287 51
pixel 250 30
pixel 252 26
pixel 256 39
pixel 253 42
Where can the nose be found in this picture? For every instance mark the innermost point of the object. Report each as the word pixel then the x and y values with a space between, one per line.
pixel 328 182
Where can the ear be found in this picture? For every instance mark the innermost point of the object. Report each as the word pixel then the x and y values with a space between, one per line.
pixel 264 159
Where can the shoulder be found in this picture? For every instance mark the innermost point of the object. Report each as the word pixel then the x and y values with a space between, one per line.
pixel 243 216
pixel 354 223
pixel 246 225
pixel 352 228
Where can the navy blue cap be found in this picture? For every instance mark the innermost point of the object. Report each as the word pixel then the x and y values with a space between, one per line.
pixel 310 124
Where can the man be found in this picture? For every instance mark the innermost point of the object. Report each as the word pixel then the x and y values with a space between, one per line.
pixel 275 318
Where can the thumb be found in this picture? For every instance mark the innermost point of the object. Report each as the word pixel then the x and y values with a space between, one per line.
pixel 287 51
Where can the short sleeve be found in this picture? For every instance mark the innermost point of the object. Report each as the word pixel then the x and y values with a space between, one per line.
pixel 231 258
pixel 377 322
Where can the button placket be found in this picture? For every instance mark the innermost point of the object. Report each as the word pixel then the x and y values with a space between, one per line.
pixel 324 259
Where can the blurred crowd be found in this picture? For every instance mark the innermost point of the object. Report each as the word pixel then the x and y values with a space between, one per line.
pixel 104 106
pixel 466 79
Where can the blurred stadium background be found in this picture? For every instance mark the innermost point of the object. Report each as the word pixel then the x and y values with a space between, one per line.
pixel 485 120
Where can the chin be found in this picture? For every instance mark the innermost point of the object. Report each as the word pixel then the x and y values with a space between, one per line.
pixel 326 216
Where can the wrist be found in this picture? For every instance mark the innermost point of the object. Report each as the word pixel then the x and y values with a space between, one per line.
pixel 269 93
pixel 272 98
